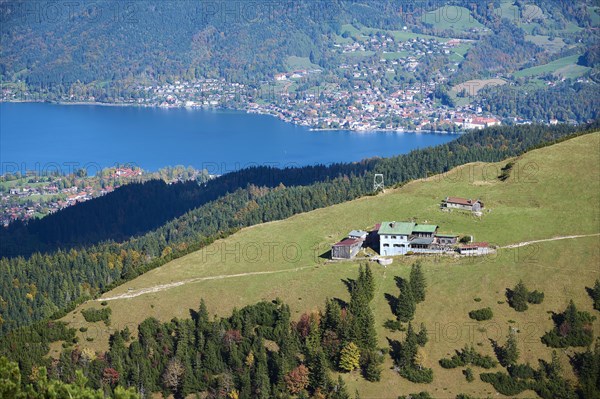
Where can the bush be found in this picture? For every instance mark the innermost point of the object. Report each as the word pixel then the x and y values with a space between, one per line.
pixel 393 325
pixel 477 299
pixel 535 297
pixel 523 371
pixel 469 374
pixel 420 395
pixel 504 383
pixel 83 329
pixel 467 356
pixel 103 303
pixel 481 314
pixel 419 376
pixel 94 315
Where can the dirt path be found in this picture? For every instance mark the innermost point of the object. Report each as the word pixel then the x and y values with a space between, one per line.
pixel 524 243
pixel 164 287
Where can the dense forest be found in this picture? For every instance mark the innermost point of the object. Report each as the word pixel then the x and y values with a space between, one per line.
pixel 259 351
pixel 35 287
pixel 567 101
pixel 51 46
pixel 138 208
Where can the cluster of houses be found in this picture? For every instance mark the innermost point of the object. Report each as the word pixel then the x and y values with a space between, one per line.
pixel 404 238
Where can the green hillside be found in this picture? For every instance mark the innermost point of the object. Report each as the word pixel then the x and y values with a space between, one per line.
pixel 551 192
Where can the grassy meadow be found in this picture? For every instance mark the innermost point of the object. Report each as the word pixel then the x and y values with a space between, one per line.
pixel 552 192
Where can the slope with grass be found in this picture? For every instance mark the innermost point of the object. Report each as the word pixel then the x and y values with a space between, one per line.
pixel 551 192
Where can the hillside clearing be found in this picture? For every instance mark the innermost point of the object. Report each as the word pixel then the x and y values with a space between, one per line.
pixel 534 207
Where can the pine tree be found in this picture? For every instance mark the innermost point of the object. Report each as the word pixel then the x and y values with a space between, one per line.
pixel 595 294
pixel 510 352
pixel 518 297
pixel 422 336
pixel 369 283
pixel 319 379
pixel 349 357
pixel 409 348
pixel 339 390
pixel 406 303
pixel 417 282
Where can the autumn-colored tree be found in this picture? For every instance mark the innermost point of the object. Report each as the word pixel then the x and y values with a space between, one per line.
pixel 250 359
pixel 110 376
pixel 349 357
pixel 173 373
pixel 232 337
pixel 297 379
pixel 420 357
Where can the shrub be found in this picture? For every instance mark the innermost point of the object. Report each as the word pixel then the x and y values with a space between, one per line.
pixel 83 329
pixel 477 299
pixel 535 297
pixel 523 371
pixel 481 314
pixel 420 395
pixel 469 374
pixel 103 303
pixel 419 376
pixel 467 356
pixel 504 383
pixel 94 315
pixel 393 325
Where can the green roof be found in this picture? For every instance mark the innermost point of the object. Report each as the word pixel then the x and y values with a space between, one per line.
pixel 425 228
pixel 400 228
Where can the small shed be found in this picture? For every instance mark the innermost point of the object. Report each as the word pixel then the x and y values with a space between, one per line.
pixel 346 249
pixel 359 234
pixel 474 248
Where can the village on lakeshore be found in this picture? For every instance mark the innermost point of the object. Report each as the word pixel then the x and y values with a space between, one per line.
pixel 392 238
pixel 35 194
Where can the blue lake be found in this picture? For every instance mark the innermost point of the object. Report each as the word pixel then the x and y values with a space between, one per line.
pixel 36 136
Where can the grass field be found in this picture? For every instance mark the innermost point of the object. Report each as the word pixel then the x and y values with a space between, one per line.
pixel 455 18
pixel 294 63
pixel 565 67
pixel 472 87
pixel 552 46
pixel 552 192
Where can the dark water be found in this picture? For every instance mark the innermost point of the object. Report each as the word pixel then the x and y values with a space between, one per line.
pixel 37 136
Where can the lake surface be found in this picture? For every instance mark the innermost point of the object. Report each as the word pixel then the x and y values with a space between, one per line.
pixel 36 136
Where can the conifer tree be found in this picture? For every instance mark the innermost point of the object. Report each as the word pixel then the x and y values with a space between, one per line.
pixel 510 352
pixel 417 282
pixel 406 303
pixel 518 297
pixel 349 357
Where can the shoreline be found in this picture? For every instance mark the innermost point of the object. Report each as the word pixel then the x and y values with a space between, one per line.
pixel 243 110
